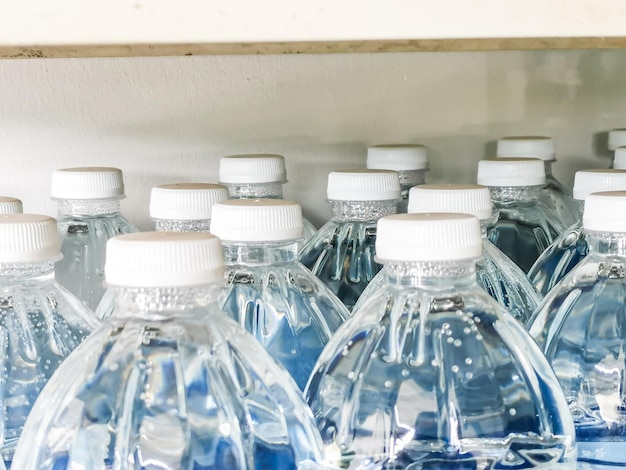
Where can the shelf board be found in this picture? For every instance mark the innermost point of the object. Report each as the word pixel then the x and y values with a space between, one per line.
pixel 93 28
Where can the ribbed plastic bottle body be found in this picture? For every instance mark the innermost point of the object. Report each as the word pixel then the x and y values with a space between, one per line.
pixel 281 303
pixel 170 382
pixel 271 190
pixel 40 325
pixel 524 227
pixel 565 253
pixel 558 198
pixel 173 225
pixel 581 328
pixel 408 179
pixel 84 227
pixel 431 373
pixel 342 252
pixel 502 279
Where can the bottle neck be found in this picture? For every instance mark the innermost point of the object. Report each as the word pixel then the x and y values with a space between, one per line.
pixel 33 270
pixel 362 211
pixel 605 243
pixel 261 253
pixel 155 303
pixel 82 207
pixel 172 225
pixel 255 190
pixel 410 178
pixel 501 194
pixel 434 275
pixel 548 167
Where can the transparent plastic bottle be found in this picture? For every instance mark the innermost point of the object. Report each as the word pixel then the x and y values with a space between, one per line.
pixel 169 382
pixel 342 252
pixel 554 194
pixel 257 176
pixel 10 205
pixel 88 201
pixel 268 291
pixel 571 247
pixel 409 160
pixel 619 160
pixel 431 373
pixel 500 277
pixel 184 207
pixel 523 226
pixel 580 328
pixel 40 321
pixel 617 139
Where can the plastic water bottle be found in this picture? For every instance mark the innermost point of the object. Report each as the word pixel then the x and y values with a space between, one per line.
pixel 571 247
pixel 40 321
pixel 554 194
pixel 342 252
pixel 619 160
pixel 431 373
pixel 268 291
pixel 524 227
pixel 88 201
pixel 169 382
pixel 409 160
pixel 617 139
pixel 184 207
pixel 257 176
pixel 10 205
pixel 500 277
pixel 579 326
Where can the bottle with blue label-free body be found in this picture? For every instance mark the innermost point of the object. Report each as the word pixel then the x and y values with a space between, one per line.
pixel 88 201
pixel 501 278
pixel 40 321
pixel 570 247
pixel 268 291
pixel 523 225
pixel 409 160
pixel 178 207
pixel 169 381
pixel 184 207
pixel 257 176
pixel 580 328
pixel 432 373
pixel 342 252
pixel 554 194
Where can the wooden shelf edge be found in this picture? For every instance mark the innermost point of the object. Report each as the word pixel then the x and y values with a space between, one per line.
pixel 313 47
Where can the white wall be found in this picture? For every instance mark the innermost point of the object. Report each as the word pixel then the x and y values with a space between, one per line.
pixel 170 119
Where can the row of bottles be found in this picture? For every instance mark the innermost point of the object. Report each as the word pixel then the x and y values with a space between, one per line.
pixel 374 310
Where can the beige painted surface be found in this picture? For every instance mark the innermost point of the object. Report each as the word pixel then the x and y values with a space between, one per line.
pixel 170 119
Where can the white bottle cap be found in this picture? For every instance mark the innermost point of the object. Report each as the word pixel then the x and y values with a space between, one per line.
pixel 511 172
pixel 428 237
pixel 10 205
pixel 185 201
pixel 397 157
pixel 470 199
pixel 253 168
pixel 163 259
pixel 594 181
pixel 87 183
pixel 28 238
pixel 363 185
pixel 526 146
pixel 617 138
pixel 257 220
pixel 605 212
pixel 619 160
